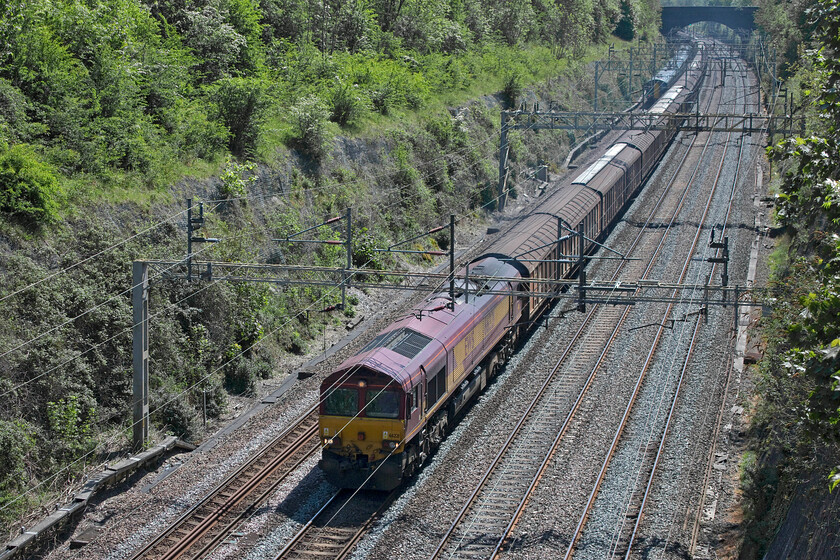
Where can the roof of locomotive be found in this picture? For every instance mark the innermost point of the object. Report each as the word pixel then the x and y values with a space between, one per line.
pixel 419 338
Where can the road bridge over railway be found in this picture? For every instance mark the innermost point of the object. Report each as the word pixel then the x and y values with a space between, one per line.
pixel 740 18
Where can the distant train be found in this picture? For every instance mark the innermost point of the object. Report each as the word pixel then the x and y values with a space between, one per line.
pixel 385 409
pixel 667 76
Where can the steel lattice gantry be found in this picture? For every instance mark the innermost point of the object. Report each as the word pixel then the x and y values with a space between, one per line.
pixel 577 291
pixel 639 120
pixel 594 121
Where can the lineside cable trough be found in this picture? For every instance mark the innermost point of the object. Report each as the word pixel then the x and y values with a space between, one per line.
pixel 70 512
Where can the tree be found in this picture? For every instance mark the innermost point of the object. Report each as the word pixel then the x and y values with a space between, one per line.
pixel 309 124
pixel 626 27
pixel 810 204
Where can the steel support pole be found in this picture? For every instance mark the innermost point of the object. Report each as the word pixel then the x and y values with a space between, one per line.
pixel 559 272
pixel 140 385
pixel 735 305
pixel 189 240
pixel 653 65
pixel 467 283
pixel 349 244
pixel 452 261
pixel 503 151
pixel 581 270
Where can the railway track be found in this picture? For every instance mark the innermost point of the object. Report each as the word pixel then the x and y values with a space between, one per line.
pixel 495 506
pixel 336 528
pixel 651 454
pixel 207 523
pixel 644 487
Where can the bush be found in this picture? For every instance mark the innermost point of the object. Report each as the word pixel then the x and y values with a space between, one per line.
pixel 17 456
pixel 241 104
pixel 14 122
pixel 70 425
pixel 309 125
pixel 28 186
pixel 179 418
pixel 194 135
pixel 234 185
pixel 241 378
pixel 365 253
pixel 347 104
pixel 513 88
pixel 16 442
pixel 297 343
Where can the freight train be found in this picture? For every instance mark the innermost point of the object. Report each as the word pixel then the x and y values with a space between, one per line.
pixel 385 409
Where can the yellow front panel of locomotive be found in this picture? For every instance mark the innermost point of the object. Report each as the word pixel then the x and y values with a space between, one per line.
pixel 361 436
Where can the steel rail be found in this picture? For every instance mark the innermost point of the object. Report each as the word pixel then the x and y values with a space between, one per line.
pixel 177 541
pixel 262 497
pixel 514 432
pixel 648 360
pixel 710 460
pixel 551 452
pixel 520 510
pixel 323 541
pixel 299 535
pixel 684 368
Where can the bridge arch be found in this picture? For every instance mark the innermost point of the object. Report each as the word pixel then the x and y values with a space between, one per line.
pixel 735 17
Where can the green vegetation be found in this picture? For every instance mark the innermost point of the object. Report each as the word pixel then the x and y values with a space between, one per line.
pixel 794 431
pixel 808 207
pixel 112 111
pixel 131 91
pixel 30 187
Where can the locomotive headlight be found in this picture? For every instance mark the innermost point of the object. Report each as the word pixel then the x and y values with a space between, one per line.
pixel 389 444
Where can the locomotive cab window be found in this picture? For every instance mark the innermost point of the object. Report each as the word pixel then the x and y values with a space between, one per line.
pixel 342 402
pixel 435 387
pixel 381 403
pixel 414 399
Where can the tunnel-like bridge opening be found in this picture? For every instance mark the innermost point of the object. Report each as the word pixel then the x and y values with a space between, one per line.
pixel 738 18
